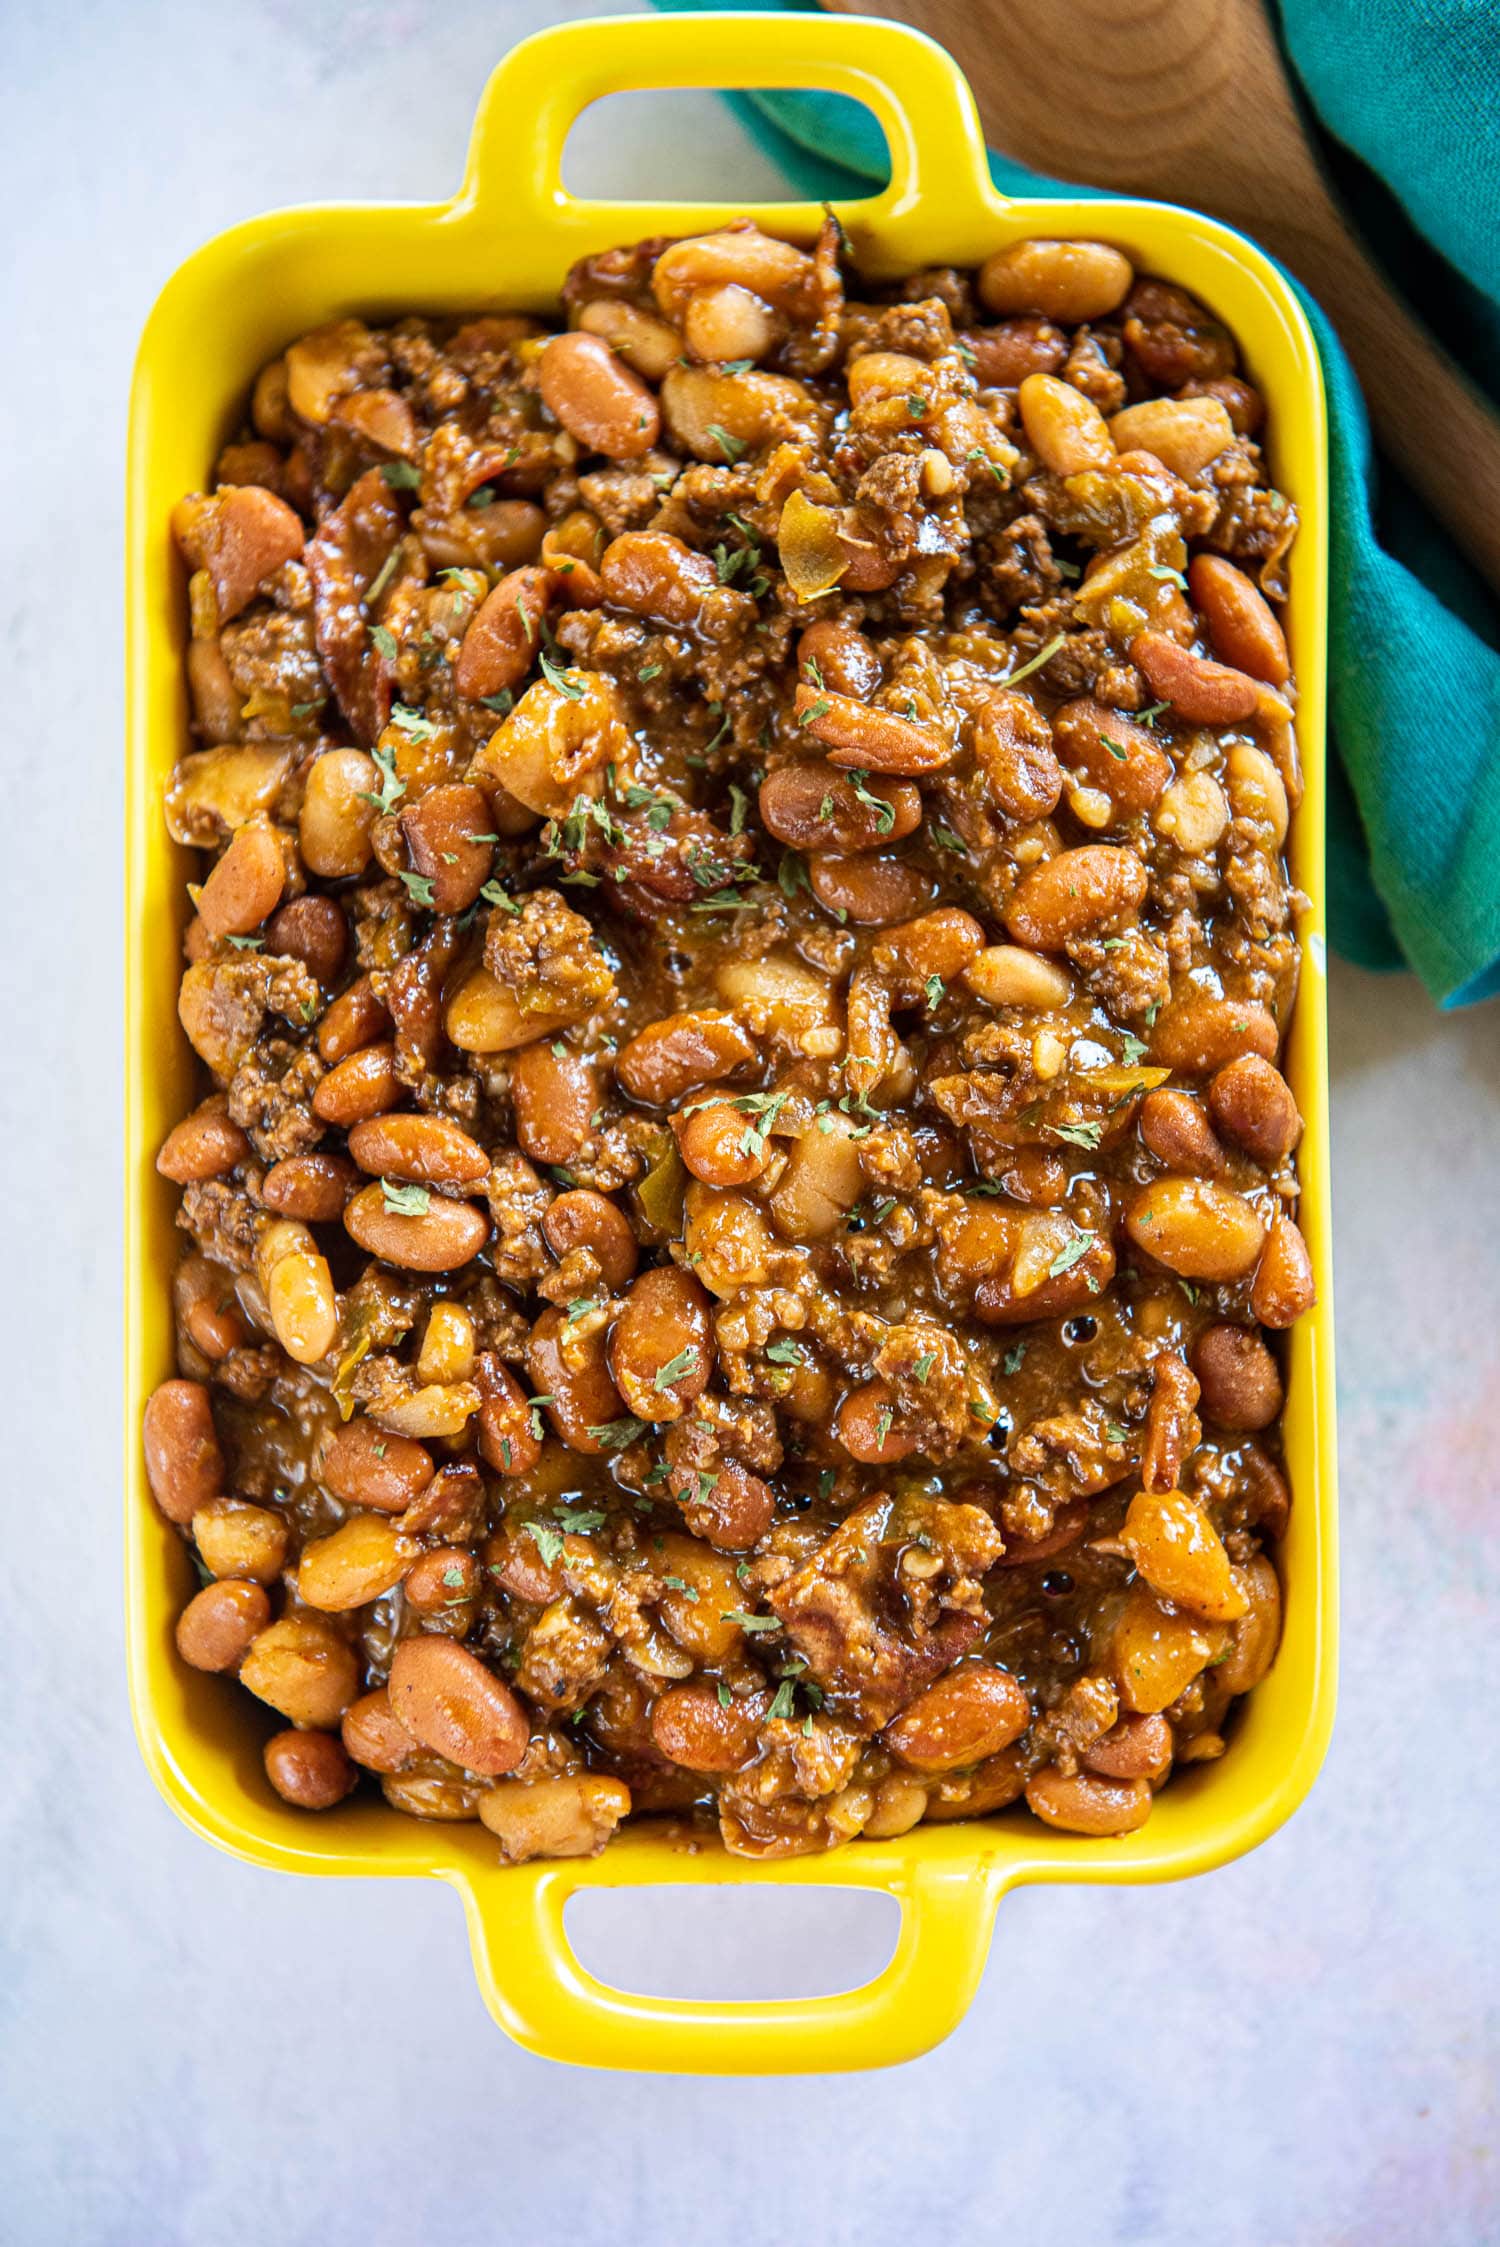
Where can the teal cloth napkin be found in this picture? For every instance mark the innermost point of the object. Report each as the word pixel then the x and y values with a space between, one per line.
pixel 1408 99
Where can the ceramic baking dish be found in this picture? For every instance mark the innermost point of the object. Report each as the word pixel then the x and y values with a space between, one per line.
pixel 505 242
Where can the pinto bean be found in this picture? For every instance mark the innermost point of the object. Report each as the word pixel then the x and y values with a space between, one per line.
pixel 555 1097
pixel 1241 622
pixel 856 734
pixel 719 1143
pixel 1095 886
pixel 504 636
pixel 448 834
pixel 298 1287
pixel 546 751
pixel 1063 281
pixel 831 654
pixel 508 1441
pixel 215 1629
pixel 314 931
pixel 646 344
pixel 365 1084
pixel 1064 429
pixel 430 1150
pixel 1112 753
pixel 1137 1747
pixel 355 1019
pixel 1012 747
pixel 364 1466
pixel 1173 1429
pixel 245 886
pixel 699 1607
pixel 1180 1554
pixel 870 891
pixel 1254 1638
pixel 581 1218
pixel 972 1713
pixel 572 1373
pixel 596 397
pixel 310 1769
pixel 728 323
pixel 1193 813
pixel 815 807
pixel 184 1464
pixel 450 1702
pixel 702 406
pixel 338 812
pixel 1088 1804
pixel 1003 356
pixel 440 1238
pixel 1284 1286
pixel 661 1347
pixel 1250 1101
pixel 1196 1036
pixel 865 1425
pixel 1199 1230
pixel 1009 975
pixel 1207 693
pixel 1241 1387
pixel 205 1144
pixel 374 1735
pixel 313 1188
pixel 1174 1128
pixel 303 1669
pixel 680 1054
pixel 241 537
pixel 358 1561
pixel 235 1538
pixel 570 1815
pixel 1184 434
pixel 694 1727
pixel 448 1346
pixel 655 575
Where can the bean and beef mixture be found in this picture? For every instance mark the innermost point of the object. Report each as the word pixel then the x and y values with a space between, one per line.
pixel 735 1240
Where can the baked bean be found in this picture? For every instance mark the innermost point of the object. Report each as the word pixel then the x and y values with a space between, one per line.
pixel 503 638
pixel 571 552
pixel 646 344
pixel 572 1815
pixel 310 1769
pixel 304 1669
pixel 857 735
pixel 943 943
pixel 553 741
pixel 1009 975
pixel 448 1346
pixel 205 1144
pixel 1086 1803
pixel 555 1097
pixel 1283 1287
pixel 596 397
pixel 1196 1036
pixel 216 1627
pixel 417 1796
pixel 1180 1554
pixel 1197 1229
pixel 1250 1100
pixel 362 1558
pixel 835 655
pixel 900 1804
pixel 864 1425
pixel 1064 429
pixel 1003 356
pixel 374 1735
pixel 992 1785
pixel 871 891
pixel 1174 1128
pixel 245 886
pixel 655 575
pixel 430 1150
pixel 508 1441
pixel 184 1464
pixel 661 1347
pixel 450 1702
pixel 815 807
pixel 363 1085
pixel 314 931
pixel 338 812
pixel 720 1144
pixel 1012 747
pixel 694 1727
pixel 1209 694
pixel 1137 1747
pixel 1256 790
pixel 355 1019
pixel 973 1712
pixel 1254 1638
pixel 1237 1375
pixel 1095 886
pixel 728 322
pixel 1113 754
pixel 1241 622
pixel 365 1467
pixel 783 999
pixel 298 1287
pixel 448 835
pixel 217 701
pixel 571 1372
pixel 1184 434
pixel 1193 813
pixel 440 1238
pixel 235 1538
pixel 1156 1653
pixel 701 407
pixel 581 1218
pixel 240 537
pixel 820 1183
pixel 738 256
pixel 680 1054
pixel 1063 281
pixel 701 1597
pixel 313 1188
pixel 483 1016
pixel 441 1408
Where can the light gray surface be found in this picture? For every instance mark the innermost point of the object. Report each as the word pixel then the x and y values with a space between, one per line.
pixel 1294 2050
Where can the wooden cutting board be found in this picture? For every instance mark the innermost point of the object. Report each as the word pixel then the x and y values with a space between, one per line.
pixel 1188 100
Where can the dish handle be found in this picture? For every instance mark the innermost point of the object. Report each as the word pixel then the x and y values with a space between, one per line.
pixel 513 178
pixel 536 1987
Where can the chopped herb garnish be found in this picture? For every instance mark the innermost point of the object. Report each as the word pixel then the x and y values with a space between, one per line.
pixel 944 837
pixel 936 990
pixel 549 1541
pixel 783 1701
pixel 1073 1252
pixel 247 943
pixel 680 1584
pixel 819 709
pixel 565 681
pixel 1015 1357
pixel 726 1698
pixel 614 1435
pixel 925 1364
pixel 493 894
pixel 502 703
pixel 677 1369
pixel 405 1201
pixel 1116 749
pixel 1042 657
pixel 883 1420
pixel 749 1622
pixel 885 813
pixel 1077 1134
pixel 412 722
pixel 785 1352
pixel 401 475
pixel 385 641
pixel 419 887
pixel 731 447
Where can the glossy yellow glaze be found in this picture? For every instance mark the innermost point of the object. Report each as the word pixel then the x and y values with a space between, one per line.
pixel 505 242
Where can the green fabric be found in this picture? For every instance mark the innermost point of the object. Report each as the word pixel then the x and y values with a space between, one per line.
pixel 1409 89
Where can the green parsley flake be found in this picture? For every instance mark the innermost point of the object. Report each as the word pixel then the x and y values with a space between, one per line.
pixel 1073 1252
pixel 405 1201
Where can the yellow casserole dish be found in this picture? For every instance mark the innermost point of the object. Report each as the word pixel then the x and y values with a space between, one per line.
pixel 505 242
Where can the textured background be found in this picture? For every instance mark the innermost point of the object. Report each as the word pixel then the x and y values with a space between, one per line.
pixel 1298 2049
